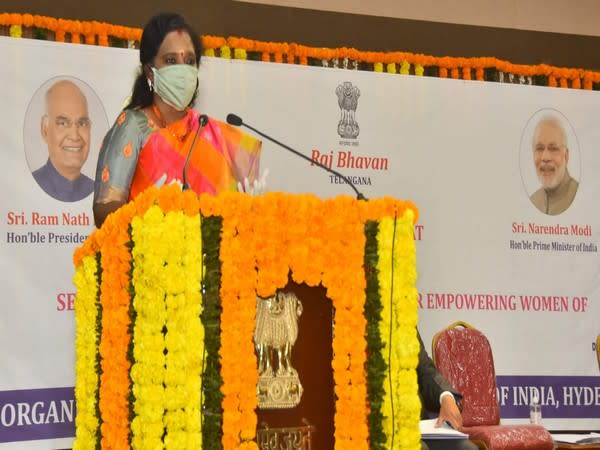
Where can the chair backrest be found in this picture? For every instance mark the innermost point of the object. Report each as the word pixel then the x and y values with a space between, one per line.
pixel 464 356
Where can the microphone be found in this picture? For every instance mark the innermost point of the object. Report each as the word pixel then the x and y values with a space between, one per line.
pixel 202 121
pixel 237 121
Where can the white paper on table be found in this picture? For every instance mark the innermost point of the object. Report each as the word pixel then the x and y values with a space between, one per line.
pixel 444 431
pixel 573 438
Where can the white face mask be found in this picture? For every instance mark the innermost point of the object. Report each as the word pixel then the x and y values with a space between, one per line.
pixel 176 84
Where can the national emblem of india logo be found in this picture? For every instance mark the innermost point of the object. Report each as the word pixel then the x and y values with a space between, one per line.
pixel 348 101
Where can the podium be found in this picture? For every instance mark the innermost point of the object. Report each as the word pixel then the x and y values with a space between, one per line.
pixel 180 341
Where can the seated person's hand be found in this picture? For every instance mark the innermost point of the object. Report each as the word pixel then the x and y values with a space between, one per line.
pixel 450 413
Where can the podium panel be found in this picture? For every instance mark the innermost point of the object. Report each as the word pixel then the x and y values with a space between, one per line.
pixel 173 351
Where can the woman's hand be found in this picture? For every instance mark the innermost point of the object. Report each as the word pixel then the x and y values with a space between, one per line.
pixel 161 181
pixel 257 187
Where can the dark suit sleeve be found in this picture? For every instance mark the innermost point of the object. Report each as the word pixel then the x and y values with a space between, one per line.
pixel 431 382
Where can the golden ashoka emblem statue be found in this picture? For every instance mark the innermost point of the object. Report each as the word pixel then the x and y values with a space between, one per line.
pixel 274 337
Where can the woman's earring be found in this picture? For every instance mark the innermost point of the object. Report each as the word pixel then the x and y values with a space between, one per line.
pixel 149 84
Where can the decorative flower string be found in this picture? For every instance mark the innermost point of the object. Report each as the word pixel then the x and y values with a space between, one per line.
pixel 376 367
pixel 404 67
pixel 290 52
pixel 60 27
pixel 167 372
pixel 115 337
pixel 314 250
pixel 397 278
pixel 147 372
pixel 184 326
pixel 212 381
pixel 15 31
pixel 238 302
pixel 87 310
pixel 407 294
pixel 347 292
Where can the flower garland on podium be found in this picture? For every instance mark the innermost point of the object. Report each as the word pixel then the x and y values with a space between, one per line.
pixel 144 283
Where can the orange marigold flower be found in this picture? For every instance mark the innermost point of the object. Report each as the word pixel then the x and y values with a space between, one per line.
pixel 60 36
pixel 190 205
pixel 121 118
pixel 27 20
pixel 16 19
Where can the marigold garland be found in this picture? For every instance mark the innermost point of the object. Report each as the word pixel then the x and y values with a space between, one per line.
pixel 99 32
pixel 238 297
pixel 249 267
pixel 166 374
pixel 86 351
pixel 397 278
pixel 376 367
pixel 211 319
pixel 115 338
pixel 147 371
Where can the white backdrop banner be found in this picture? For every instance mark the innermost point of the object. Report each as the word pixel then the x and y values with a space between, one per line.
pixel 461 150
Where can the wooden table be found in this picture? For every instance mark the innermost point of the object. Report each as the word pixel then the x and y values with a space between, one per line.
pixel 565 446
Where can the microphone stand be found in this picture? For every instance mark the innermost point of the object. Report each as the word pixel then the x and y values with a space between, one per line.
pixel 202 121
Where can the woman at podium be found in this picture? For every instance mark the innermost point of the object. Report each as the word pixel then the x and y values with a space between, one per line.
pixel 159 139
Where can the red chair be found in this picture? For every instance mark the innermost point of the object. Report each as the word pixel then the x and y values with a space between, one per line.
pixel 464 356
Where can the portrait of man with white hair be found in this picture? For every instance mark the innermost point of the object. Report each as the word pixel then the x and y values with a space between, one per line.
pixel 66 130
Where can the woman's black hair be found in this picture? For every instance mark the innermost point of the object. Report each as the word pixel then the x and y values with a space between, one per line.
pixel 152 37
